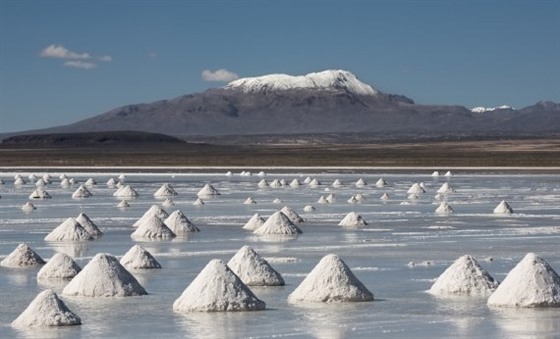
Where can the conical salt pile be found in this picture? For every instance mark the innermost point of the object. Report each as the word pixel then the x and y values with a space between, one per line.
pixel 111 182
pixel 531 283
pixel 503 208
pixel 295 183
pixel 278 223
pixel 89 225
pixel 153 210
pixel 69 230
pixel 415 189
pixel 138 257
pixel 352 200
pixel 275 183
pixel 445 188
pixel 255 222
pixel 262 184
pixel 168 203
pixel 65 183
pixel 330 281
pixel 380 183
pixel 444 208
pixel 165 191
pixel 253 270
pixel 152 228
pixel 180 224
pixel 249 201
pixel 331 199
pixel 337 183
pixel 217 289
pixel 352 219
pixel 41 182
pixel 39 193
pixel 385 196
pixel 81 192
pixel 314 183
pixel 46 310
pixel 261 174
pixel 277 201
pixel 123 204
pixel 125 192
pixel 28 207
pixel 361 183
pixel 104 276
pixel 448 174
pixel 307 180
pixel 208 190
pixel 464 277
pixel 198 202
pixel 22 256
pixel 360 197
pixel 435 174
pixel 19 181
pixel 229 174
pixel 290 213
pixel 60 266
pixel 91 182
pixel 309 208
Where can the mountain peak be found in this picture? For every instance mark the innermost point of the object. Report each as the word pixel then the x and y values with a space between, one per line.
pixel 330 80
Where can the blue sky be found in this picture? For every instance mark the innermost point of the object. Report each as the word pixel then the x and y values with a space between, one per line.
pixel 63 61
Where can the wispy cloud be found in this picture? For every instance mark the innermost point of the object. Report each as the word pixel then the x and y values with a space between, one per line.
pixel 75 60
pixel 80 64
pixel 220 75
pixel 61 52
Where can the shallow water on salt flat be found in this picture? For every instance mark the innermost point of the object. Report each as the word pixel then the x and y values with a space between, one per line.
pixel 400 231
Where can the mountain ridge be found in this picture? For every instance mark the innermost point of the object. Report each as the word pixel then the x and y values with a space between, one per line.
pixel 332 101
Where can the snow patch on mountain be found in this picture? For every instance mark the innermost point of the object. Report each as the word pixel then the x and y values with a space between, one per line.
pixel 481 109
pixel 333 80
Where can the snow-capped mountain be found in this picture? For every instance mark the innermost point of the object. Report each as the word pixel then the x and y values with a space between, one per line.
pixel 332 101
pixel 329 80
pixel 481 109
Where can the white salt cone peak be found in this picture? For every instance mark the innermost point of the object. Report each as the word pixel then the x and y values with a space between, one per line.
pixel 278 223
pixel 217 289
pixel 352 219
pixel 464 277
pixel 255 222
pixel 22 256
pixel 138 258
pixel 69 230
pixel 46 310
pixel 290 213
pixel 330 281
pixel 60 266
pixel 253 270
pixel 180 224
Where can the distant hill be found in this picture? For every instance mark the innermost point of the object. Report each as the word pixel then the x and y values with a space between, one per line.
pixel 332 101
pixel 113 138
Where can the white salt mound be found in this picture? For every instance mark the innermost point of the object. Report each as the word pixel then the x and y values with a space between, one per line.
pixel 19 181
pixel 385 196
pixel 309 208
pixel 307 180
pixel 28 207
pixel 337 183
pixel 165 191
pixel 168 203
pixel 111 182
pixel 278 223
pixel 253 270
pixel 275 183
pixel 60 266
pixel 255 222
pixel 445 188
pixel 249 201
pixel 290 213
pixel 261 174
pixel 152 228
pixel 154 210
pixel 104 276
pixel 138 257
pixel 352 200
pixel 330 281
pixel 444 208
pixel 314 183
pixel 531 283
pixel 503 208
pixel 380 183
pixel 262 184
pixel 198 202
pixel 91 182
pixel 352 219
pixel 180 224
pixel 361 183
pixel 295 183
pixel 448 174
pixel 46 310
pixel 208 190
pixel 322 200
pixel 125 192
pixel 277 201
pixel 435 174
pixel 331 199
pixel 69 230
pixel 22 256
pixel 415 189
pixel 65 183
pixel 39 193
pixel 123 204
pixel 464 277
pixel 217 289
pixel 89 225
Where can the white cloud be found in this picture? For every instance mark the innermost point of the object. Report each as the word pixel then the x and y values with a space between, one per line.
pixel 105 58
pixel 61 52
pixel 79 64
pixel 220 75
